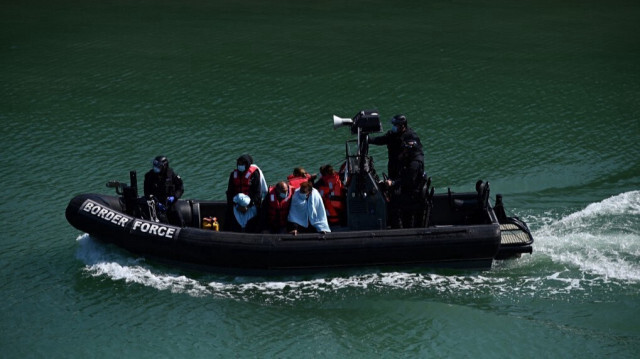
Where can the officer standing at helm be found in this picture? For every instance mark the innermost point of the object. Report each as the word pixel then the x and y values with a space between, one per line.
pixel 394 139
pixel 166 186
pixel 407 201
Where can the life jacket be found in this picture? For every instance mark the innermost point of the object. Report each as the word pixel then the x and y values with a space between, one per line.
pixel 296 181
pixel 332 192
pixel 241 182
pixel 278 208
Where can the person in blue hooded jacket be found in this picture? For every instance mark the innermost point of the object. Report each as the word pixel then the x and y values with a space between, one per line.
pixel 244 217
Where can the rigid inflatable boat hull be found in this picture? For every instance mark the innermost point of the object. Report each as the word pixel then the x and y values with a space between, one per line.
pixel 469 246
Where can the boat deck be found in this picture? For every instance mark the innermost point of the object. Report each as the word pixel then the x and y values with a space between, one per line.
pixel 514 241
pixel 513 235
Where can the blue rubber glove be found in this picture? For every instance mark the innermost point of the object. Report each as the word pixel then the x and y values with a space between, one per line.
pixel 171 199
pixel 161 207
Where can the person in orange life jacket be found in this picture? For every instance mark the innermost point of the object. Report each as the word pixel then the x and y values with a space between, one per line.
pixel 244 217
pixel 166 186
pixel 299 176
pixel 405 207
pixel 247 179
pixel 332 191
pixel 275 208
pixel 394 138
pixel 307 213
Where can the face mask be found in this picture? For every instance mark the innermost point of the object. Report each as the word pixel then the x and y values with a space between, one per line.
pixel 241 168
pixel 156 169
pixel 394 129
pixel 283 195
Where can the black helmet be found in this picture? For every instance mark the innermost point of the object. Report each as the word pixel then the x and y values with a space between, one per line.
pixel 160 164
pixel 399 120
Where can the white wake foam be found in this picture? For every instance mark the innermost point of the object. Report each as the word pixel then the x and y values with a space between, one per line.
pixel 602 239
pixel 100 261
pixel 575 254
pixel 624 208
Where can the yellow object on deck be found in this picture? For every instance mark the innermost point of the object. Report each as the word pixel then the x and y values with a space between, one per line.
pixel 210 223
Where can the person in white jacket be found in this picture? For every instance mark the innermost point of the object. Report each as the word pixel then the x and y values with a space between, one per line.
pixel 307 213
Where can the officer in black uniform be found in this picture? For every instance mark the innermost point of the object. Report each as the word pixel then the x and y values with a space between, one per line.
pixel 394 138
pixel 166 187
pixel 407 200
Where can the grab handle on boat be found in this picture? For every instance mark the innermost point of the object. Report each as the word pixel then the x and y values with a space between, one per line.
pixel 119 186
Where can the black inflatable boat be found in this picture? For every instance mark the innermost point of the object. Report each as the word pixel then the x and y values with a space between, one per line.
pixel 460 230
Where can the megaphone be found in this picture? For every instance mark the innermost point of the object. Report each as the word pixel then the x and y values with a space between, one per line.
pixel 339 122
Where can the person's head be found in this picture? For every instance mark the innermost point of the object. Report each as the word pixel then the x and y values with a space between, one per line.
pixel 243 162
pixel 327 170
pixel 398 124
pixel 160 164
pixel 299 172
pixel 306 188
pixel 282 188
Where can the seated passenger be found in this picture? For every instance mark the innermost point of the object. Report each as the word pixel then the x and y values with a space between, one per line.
pixel 333 194
pixel 307 213
pixel 244 215
pixel 275 209
pixel 299 176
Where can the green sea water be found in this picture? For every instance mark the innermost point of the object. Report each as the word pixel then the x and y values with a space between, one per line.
pixel 541 98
